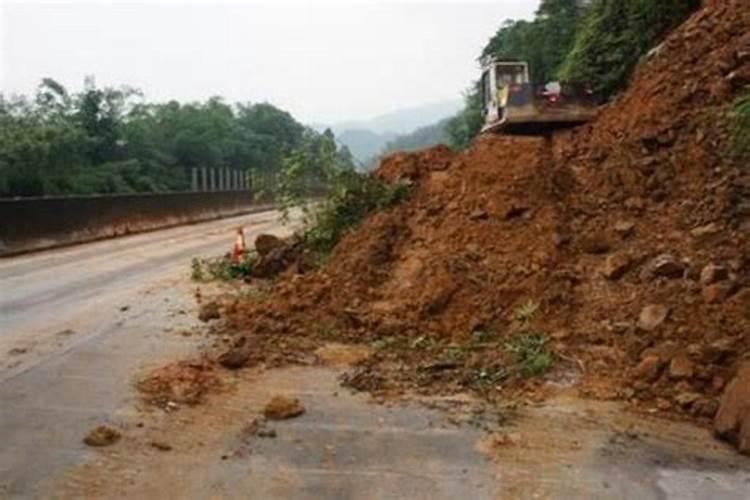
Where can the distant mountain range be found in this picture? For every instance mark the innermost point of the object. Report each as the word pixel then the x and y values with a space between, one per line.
pixel 368 138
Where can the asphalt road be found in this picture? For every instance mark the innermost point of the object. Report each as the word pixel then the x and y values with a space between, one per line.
pixel 85 286
pixel 76 324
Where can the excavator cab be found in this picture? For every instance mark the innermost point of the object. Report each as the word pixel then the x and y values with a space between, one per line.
pixel 512 104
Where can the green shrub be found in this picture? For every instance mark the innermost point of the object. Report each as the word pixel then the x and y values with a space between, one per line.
pixel 221 268
pixel 528 346
pixel 351 197
pixel 531 353
pixel 741 127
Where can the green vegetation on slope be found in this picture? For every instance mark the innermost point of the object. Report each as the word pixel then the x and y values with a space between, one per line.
pixel 741 126
pixel 615 35
pixel 350 195
pixel 108 140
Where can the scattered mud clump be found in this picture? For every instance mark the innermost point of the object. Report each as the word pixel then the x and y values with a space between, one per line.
pixel 103 435
pixel 234 359
pixel 209 311
pixel 183 382
pixel 342 355
pixel 282 408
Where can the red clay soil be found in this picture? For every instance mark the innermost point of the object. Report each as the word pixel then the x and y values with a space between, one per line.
pixel 182 382
pixel 643 207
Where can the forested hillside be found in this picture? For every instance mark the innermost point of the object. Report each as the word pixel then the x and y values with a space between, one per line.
pixel 599 42
pixel 422 137
pixel 109 140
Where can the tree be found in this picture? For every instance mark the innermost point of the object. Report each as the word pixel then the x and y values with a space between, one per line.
pixel 615 35
pixel 543 42
pixel 103 140
pixel 463 127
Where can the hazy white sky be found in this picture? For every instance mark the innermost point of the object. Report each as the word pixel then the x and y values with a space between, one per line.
pixel 322 61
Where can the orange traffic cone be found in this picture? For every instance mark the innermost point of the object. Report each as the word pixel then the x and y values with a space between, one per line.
pixel 238 252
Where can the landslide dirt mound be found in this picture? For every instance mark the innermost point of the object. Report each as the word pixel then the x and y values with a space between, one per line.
pixel 630 234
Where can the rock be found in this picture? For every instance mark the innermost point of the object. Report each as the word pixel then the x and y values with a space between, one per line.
pixel 515 211
pixel 103 435
pixel 624 228
pixel 266 243
pixel 718 383
pixel 681 368
pixel 209 311
pixel 705 407
pixel 663 404
pixel 649 368
pixel 234 359
pixel 561 238
pixel 718 350
pixel 666 266
pixel 732 421
pixel 282 408
pixel 595 244
pixel 478 214
pixel 560 334
pixel 706 231
pixel 652 316
pixel 616 265
pixel 686 399
pixel 713 273
pixel 665 351
pixel 161 446
pixel 717 293
pixel 634 203
pixel 266 433
pixel 275 261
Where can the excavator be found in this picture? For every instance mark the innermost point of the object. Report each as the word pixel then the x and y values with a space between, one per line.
pixel 512 104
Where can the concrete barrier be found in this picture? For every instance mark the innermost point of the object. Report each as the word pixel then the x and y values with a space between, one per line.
pixel 28 224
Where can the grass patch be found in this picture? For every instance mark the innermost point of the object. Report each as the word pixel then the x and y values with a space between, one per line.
pixel 328 331
pixel 528 346
pixel 221 268
pixel 483 336
pixel 531 353
pixel 741 126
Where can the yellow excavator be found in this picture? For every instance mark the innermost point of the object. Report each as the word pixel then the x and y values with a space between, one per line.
pixel 511 104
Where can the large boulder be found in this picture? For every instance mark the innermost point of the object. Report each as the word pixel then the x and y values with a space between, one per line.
pixel 266 243
pixel 732 422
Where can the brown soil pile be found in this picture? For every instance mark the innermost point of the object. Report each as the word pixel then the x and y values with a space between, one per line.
pixel 184 382
pixel 631 234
